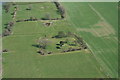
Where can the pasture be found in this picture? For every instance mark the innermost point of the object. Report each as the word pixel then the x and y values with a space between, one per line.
pixel 37 10
pixel 100 34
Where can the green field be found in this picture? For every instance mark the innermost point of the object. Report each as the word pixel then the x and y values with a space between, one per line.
pixel 88 20
pixel 100 31
pixel 38 10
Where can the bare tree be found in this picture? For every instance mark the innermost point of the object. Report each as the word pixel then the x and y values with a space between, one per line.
pixel 61 34
pixel 43 43
pixel 47 17
pixel 6 7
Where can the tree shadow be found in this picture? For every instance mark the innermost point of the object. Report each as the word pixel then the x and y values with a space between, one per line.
pixel 36 45
pixel 6 24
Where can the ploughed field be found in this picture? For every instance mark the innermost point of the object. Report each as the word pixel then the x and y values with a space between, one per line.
pixel 41 44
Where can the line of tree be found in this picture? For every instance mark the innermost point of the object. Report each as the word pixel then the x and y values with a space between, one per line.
pixel 8 29
pixel 36 19
pixel 81 42
pixel 30 19
pixel 15 11
pixel 60 9
pixel 6 7
pixel 71 49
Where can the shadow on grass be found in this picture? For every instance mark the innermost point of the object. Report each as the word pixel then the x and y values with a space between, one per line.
pixel 37 46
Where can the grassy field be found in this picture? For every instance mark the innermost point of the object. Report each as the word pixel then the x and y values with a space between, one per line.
pixel 37 10
pixel 22 59
pixel 99 30
pixel 6 16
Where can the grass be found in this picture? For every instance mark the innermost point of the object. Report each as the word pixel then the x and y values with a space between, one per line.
pixel 37 10
pixel 66 65
pixel 22 54
pixel 7 17
pixel 23 61
pixel 113 12
pixel 104 47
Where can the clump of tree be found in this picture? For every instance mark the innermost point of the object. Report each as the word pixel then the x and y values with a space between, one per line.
pixel 42 43
pixel 10 24
pixel 6 7
pixel 8 29
pixel 6 33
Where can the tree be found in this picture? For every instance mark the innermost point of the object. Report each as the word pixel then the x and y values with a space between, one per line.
pixel 6 7
pixel 29 8
pixel 62 11
pixel 43 43
pixel 6 32
pixel 57 3
pixel 61 34
pixel 11 23
pixel 69 34
pixel 31 18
